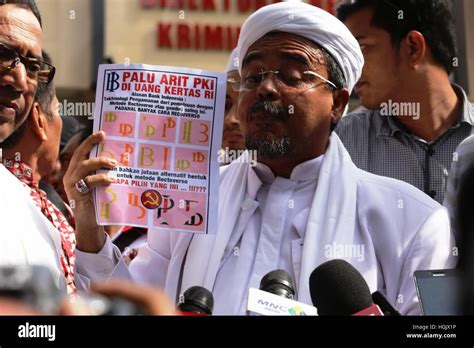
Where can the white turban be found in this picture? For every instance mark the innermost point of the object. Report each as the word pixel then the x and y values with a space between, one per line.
pixel 233 63
pixel 310 22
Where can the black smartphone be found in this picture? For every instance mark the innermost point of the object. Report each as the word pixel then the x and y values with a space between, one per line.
pixel 439 291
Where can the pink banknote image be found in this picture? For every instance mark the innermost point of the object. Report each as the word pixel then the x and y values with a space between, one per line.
pixel 129 211
pixel 123 204
pixel 154 157
pixel 192 160
pixel 195 132
pixel 158 128
pixel 121 151
pixel 119 124
pixel 181 210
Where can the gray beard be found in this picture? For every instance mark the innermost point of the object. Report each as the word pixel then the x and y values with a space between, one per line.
pixel 269 149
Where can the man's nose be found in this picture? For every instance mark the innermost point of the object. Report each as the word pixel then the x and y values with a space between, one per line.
pixel 268 89
pixel 15 77
pixel 231 117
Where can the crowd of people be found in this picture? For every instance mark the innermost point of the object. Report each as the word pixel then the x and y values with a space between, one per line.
pixel 375 178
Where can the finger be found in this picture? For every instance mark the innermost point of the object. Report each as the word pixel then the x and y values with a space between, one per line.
pixel 91 165
pixel 152 299
pixel 98 180
pixel 83 150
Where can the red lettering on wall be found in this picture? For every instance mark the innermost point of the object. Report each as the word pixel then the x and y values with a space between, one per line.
pixel 208 5
pixel 260 3
pixel 164 35
pixel 184 39
pixel 192 5
pixel 213 37
pixel 331 7
pixel 243 5
pixel 226 5
pixel 197 36
pixel 317 3
pixel 230 41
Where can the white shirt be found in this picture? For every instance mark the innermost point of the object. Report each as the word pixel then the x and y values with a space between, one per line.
pixel 26 235
pixel 267 232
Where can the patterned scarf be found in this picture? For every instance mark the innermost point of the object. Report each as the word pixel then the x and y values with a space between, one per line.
pixel 68 238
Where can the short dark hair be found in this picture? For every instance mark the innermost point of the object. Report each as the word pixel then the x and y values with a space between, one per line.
pixel 45 92
pixel 433 18
pixel 28 4
pixel 44 96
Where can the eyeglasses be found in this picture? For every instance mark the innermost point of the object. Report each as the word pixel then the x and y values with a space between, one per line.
pixel 288 79
pixel 35 68
pixel 234 84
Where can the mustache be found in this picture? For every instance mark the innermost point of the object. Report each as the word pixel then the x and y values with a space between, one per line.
pixel 232 128
pixel 276 111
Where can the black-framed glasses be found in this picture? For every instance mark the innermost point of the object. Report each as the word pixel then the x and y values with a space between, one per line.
pixel 289 79
pixel 35 68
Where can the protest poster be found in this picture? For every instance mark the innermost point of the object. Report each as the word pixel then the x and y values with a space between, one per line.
pixel 163 126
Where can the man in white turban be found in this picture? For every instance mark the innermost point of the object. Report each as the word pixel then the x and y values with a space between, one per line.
pixel 305 202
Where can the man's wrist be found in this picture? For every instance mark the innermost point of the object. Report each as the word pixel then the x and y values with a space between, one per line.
pixel 89 244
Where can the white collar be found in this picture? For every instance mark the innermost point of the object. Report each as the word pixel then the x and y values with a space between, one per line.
pixel 305 171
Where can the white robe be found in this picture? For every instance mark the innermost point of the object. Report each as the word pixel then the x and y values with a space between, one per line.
pixel 26 235
pixel 269 232
pixel 401 229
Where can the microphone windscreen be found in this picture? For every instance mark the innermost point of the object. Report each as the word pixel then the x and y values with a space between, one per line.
pixel 337 288
pixel 197 300
pixel 280 283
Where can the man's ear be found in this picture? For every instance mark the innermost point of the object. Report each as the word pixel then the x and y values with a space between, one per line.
pixel 415 45
pixel 341 98
pixel 38 122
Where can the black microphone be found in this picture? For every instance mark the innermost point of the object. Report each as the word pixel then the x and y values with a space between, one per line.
pixel 337 288
pixel 197 300
pixel 276 296
pixel 280 283
pixel 385 306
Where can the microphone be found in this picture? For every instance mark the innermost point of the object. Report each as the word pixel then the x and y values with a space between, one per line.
pixel 275 296
pixel 196 301
pixel 337 288
pixel 280 283
pixel 386 307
